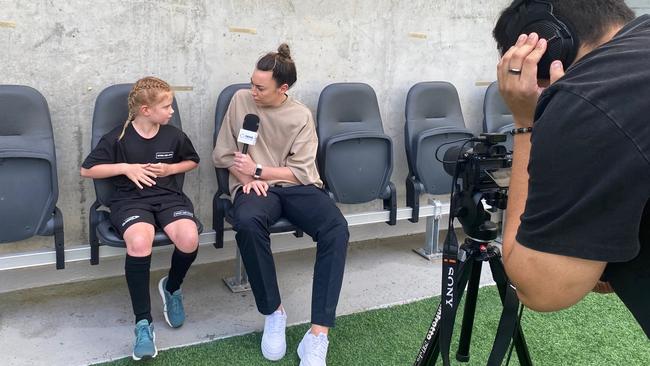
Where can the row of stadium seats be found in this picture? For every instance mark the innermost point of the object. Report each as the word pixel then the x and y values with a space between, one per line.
pixel 355 156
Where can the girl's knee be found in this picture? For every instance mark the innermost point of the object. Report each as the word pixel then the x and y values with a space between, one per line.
pixel 138 245
pixel 187 241
pixel 139 239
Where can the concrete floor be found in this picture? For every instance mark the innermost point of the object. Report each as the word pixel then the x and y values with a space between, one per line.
pixel 91 321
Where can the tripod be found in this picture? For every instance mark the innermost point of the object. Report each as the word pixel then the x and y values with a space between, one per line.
pixel 475 167
pixel 474 253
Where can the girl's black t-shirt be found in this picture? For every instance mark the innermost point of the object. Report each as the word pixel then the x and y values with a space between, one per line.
pixel 170 145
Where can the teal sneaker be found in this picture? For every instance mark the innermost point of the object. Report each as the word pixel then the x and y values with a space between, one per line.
pixel 172 304
pixel 145 346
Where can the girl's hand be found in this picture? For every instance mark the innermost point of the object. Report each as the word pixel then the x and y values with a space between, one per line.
pixel 139 174
pixel 160 169
pixel 259 186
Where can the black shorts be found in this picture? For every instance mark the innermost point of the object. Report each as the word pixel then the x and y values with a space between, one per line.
pixel 157 211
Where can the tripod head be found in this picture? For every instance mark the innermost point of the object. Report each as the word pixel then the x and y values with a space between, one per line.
pixel 472 215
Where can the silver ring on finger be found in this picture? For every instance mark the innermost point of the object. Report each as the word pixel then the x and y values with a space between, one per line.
pixel 514 71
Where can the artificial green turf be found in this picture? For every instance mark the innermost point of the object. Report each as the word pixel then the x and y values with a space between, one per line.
pixel 597 331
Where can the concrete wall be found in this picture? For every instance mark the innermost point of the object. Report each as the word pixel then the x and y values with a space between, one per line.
pixel 70 50
pixel 639 6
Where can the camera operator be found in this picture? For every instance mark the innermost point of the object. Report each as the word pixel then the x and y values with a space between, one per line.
pixel 579 208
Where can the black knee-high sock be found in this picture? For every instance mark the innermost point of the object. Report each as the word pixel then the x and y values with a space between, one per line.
pixel 136 270
pixel 181 263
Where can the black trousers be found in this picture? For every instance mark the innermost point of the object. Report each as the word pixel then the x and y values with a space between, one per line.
pixel 315 213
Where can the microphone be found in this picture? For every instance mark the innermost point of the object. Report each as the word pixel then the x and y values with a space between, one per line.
pixel 248 132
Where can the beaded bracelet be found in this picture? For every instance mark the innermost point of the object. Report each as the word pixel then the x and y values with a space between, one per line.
pixel 516 131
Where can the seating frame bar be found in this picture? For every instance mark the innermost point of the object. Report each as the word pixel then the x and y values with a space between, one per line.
pixel 82 252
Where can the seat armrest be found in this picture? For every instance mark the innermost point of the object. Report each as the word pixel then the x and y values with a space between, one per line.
pixel 220 206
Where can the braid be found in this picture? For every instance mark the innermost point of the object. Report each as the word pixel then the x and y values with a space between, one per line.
pixel 151 82
pixel 144 91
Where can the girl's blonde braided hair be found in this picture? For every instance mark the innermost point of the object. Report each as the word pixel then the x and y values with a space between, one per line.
pixel 145 91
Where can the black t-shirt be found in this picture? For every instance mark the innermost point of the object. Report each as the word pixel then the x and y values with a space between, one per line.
pixel 589 186
pixel 170 145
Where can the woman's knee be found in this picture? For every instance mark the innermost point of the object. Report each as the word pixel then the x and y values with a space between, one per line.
pixel 245 222
pixel 251 232
pixel 339 225
pixel 337 230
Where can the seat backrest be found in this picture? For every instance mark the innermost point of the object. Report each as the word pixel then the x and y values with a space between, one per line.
pixel 431 104
pixel 111 110
pixel 348 107
pixel 497 117
pixel 28 179
pixel 355 157
pixel 222 107
pixel 496 114
pixel 434 123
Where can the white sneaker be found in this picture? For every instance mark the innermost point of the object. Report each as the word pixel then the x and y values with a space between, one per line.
pixel 274 343
pixel 312 350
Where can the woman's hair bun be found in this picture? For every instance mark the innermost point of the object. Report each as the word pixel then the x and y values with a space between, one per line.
pixel 283 50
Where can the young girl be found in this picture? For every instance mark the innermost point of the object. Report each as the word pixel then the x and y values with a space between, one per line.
pixel 142 159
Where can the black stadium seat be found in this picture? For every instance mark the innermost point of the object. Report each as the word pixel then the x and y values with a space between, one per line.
pixel 433 119
pixel 355 156
pixel 28 181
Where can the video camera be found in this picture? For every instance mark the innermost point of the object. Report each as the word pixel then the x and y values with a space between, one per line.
pixel 484 169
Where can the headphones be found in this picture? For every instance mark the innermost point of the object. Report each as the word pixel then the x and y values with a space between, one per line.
pixel 537 16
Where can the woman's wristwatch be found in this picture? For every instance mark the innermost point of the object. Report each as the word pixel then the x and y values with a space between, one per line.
pixel 258 171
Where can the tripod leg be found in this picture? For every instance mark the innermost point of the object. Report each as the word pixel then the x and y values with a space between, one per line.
pixel 430 349
pixel 434 354
pixel 468 313
pixel 432 357
pixel 499 275
pixel 522 348
pixel 461 278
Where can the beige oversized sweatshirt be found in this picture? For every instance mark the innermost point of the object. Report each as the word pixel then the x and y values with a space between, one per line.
pixel 286 138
